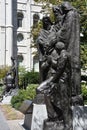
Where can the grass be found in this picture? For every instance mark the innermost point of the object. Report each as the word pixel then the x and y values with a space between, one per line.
pixel 10 113
pixel 1 89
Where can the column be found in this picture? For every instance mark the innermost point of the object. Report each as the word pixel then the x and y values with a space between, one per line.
pixel 9 32
pixel 2 33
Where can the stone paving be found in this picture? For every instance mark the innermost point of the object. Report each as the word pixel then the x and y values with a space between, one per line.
pixel 3 122
pixel 6 99
pixel 9 124
pixel 15 124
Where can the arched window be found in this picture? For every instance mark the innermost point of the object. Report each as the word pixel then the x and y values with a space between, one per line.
pixel 36 63
pixel 20 59
pixel 19 19
pixel 20 37
pixel 35 19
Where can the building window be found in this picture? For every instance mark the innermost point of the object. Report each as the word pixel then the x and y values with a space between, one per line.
pixel 20 59
pixel 35 19
pixel 36 63
pixel 19 19
pixel 20 37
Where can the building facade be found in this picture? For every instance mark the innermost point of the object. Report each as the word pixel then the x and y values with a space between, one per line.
pixel 16 19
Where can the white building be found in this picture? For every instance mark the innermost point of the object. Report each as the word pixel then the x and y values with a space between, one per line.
pixel 16 19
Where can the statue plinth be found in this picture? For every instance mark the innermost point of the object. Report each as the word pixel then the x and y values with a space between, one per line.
pixel 53 125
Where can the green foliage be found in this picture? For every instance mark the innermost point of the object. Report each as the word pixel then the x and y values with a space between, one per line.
pixel 84 92
pixel 49 1
pixel 22 71
pixel 33 77
pixel 35 31
pixel 26 77
pixel 81 6
pixel 3 71
pixel 0 90
pixel 27 94
pixel 84 56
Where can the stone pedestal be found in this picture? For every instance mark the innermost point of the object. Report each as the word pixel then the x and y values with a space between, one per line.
pixel 79 121
pixel 80 118
pixel 49 125
pixel 28 121
pixel 38 117
pixel 27 108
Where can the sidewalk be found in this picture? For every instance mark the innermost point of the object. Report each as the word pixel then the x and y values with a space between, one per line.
pixel 9 124
pixel 3 122
pixel 15 124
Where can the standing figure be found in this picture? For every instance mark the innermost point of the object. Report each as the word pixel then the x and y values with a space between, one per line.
pixel 9 82
pixel 56 88
pixel 58 17
pixel 69 34
pixel 59 46
pixel 45 44
pixel 13 69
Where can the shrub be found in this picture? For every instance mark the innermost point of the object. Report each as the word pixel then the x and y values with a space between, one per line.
pixel 27 94
pixel 33 77
pixel 22 71
pixel 3 71
pixel 26 78
pixel 84 92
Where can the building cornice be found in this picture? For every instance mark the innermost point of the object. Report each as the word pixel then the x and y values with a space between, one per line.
pixel 22 31
pixel 6 26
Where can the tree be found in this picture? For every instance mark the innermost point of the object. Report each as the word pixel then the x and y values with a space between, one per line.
pixel 81 6
pixel 54 2
pixel 84 56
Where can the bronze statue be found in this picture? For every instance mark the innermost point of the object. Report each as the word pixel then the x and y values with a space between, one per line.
pixel 45 41
pixel 56 88
pixel 13 69
pixel 9 80
pixel 69 34
pixel 59 48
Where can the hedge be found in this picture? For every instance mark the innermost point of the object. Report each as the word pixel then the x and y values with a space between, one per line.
pixel 84 92
pixel 27 94
pixel 28 78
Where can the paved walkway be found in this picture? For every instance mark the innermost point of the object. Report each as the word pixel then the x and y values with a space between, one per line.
pixel 9 124
pixel 6 100
pixel 7 97
pixel 15 124
pixel 3 122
